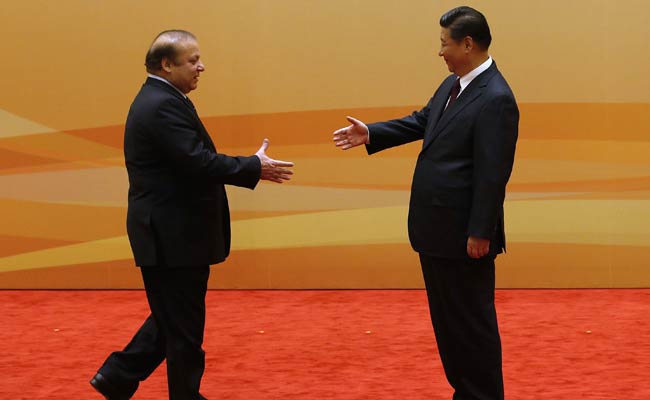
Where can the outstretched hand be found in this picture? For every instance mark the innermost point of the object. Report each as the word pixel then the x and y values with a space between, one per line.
pixel 352 135
pixel 273 170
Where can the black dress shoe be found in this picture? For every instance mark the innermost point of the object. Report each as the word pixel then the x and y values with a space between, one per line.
pixel 107 389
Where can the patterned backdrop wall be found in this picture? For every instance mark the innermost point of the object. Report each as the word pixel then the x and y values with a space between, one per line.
pixel 578 202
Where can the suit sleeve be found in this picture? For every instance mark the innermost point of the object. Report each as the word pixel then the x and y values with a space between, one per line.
pixel 396 132
pixel 494 150
pixel 176 136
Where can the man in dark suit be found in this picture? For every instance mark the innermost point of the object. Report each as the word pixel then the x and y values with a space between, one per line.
pixel 469 131
pixel 178 220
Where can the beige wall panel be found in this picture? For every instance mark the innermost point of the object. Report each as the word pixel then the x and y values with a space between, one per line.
pixel 79 63
pixel 292 69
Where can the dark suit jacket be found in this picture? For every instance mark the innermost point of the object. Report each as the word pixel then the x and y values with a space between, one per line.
pixel 178 211
pixel 461 173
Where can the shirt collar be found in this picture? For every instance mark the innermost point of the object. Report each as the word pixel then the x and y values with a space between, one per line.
pixel 160 78
pixel 469 77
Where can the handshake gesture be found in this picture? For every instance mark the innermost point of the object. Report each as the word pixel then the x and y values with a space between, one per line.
pixel 273 170
pixel 278 171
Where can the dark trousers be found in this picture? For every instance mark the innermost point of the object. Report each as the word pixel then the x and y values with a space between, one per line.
pixel 173 331
pixel 461 303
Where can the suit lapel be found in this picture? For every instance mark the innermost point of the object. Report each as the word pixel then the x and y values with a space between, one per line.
pixel 466 97
pixel 203 133
pixel 437 110
pixel 438 106
pixel 471 93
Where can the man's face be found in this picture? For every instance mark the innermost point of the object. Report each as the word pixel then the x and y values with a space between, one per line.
pixel 453 52
pixel 183 72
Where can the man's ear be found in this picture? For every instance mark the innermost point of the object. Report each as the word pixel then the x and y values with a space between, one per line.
pixel 166 64
pixel 468 43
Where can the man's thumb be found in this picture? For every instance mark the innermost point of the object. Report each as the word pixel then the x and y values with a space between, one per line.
pixel 354 121
pixel 265 145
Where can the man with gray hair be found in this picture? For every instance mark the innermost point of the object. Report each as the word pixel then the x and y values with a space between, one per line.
pixel 178 221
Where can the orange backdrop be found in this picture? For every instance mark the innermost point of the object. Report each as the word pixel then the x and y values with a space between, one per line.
pixel 578 201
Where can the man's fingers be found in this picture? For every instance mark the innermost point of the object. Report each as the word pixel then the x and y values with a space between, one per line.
pixel 475 252
pixel 275 171
pixel 278 178
pixel 339 132
pixel 477 247
pixel 347 137
pixel 471 251
pixel 282 171
pixel 280 163
pixel 347 142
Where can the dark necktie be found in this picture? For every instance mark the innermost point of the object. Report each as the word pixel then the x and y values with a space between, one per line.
pixel 190 103
pixel 203 131
pixel 454 93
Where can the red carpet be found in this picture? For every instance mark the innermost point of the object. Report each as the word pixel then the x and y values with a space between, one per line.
pixel 558 344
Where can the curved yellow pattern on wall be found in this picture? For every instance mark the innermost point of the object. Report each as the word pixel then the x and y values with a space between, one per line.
pixel 622 223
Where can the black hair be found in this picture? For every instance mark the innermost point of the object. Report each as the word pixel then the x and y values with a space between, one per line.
pixel 465 21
